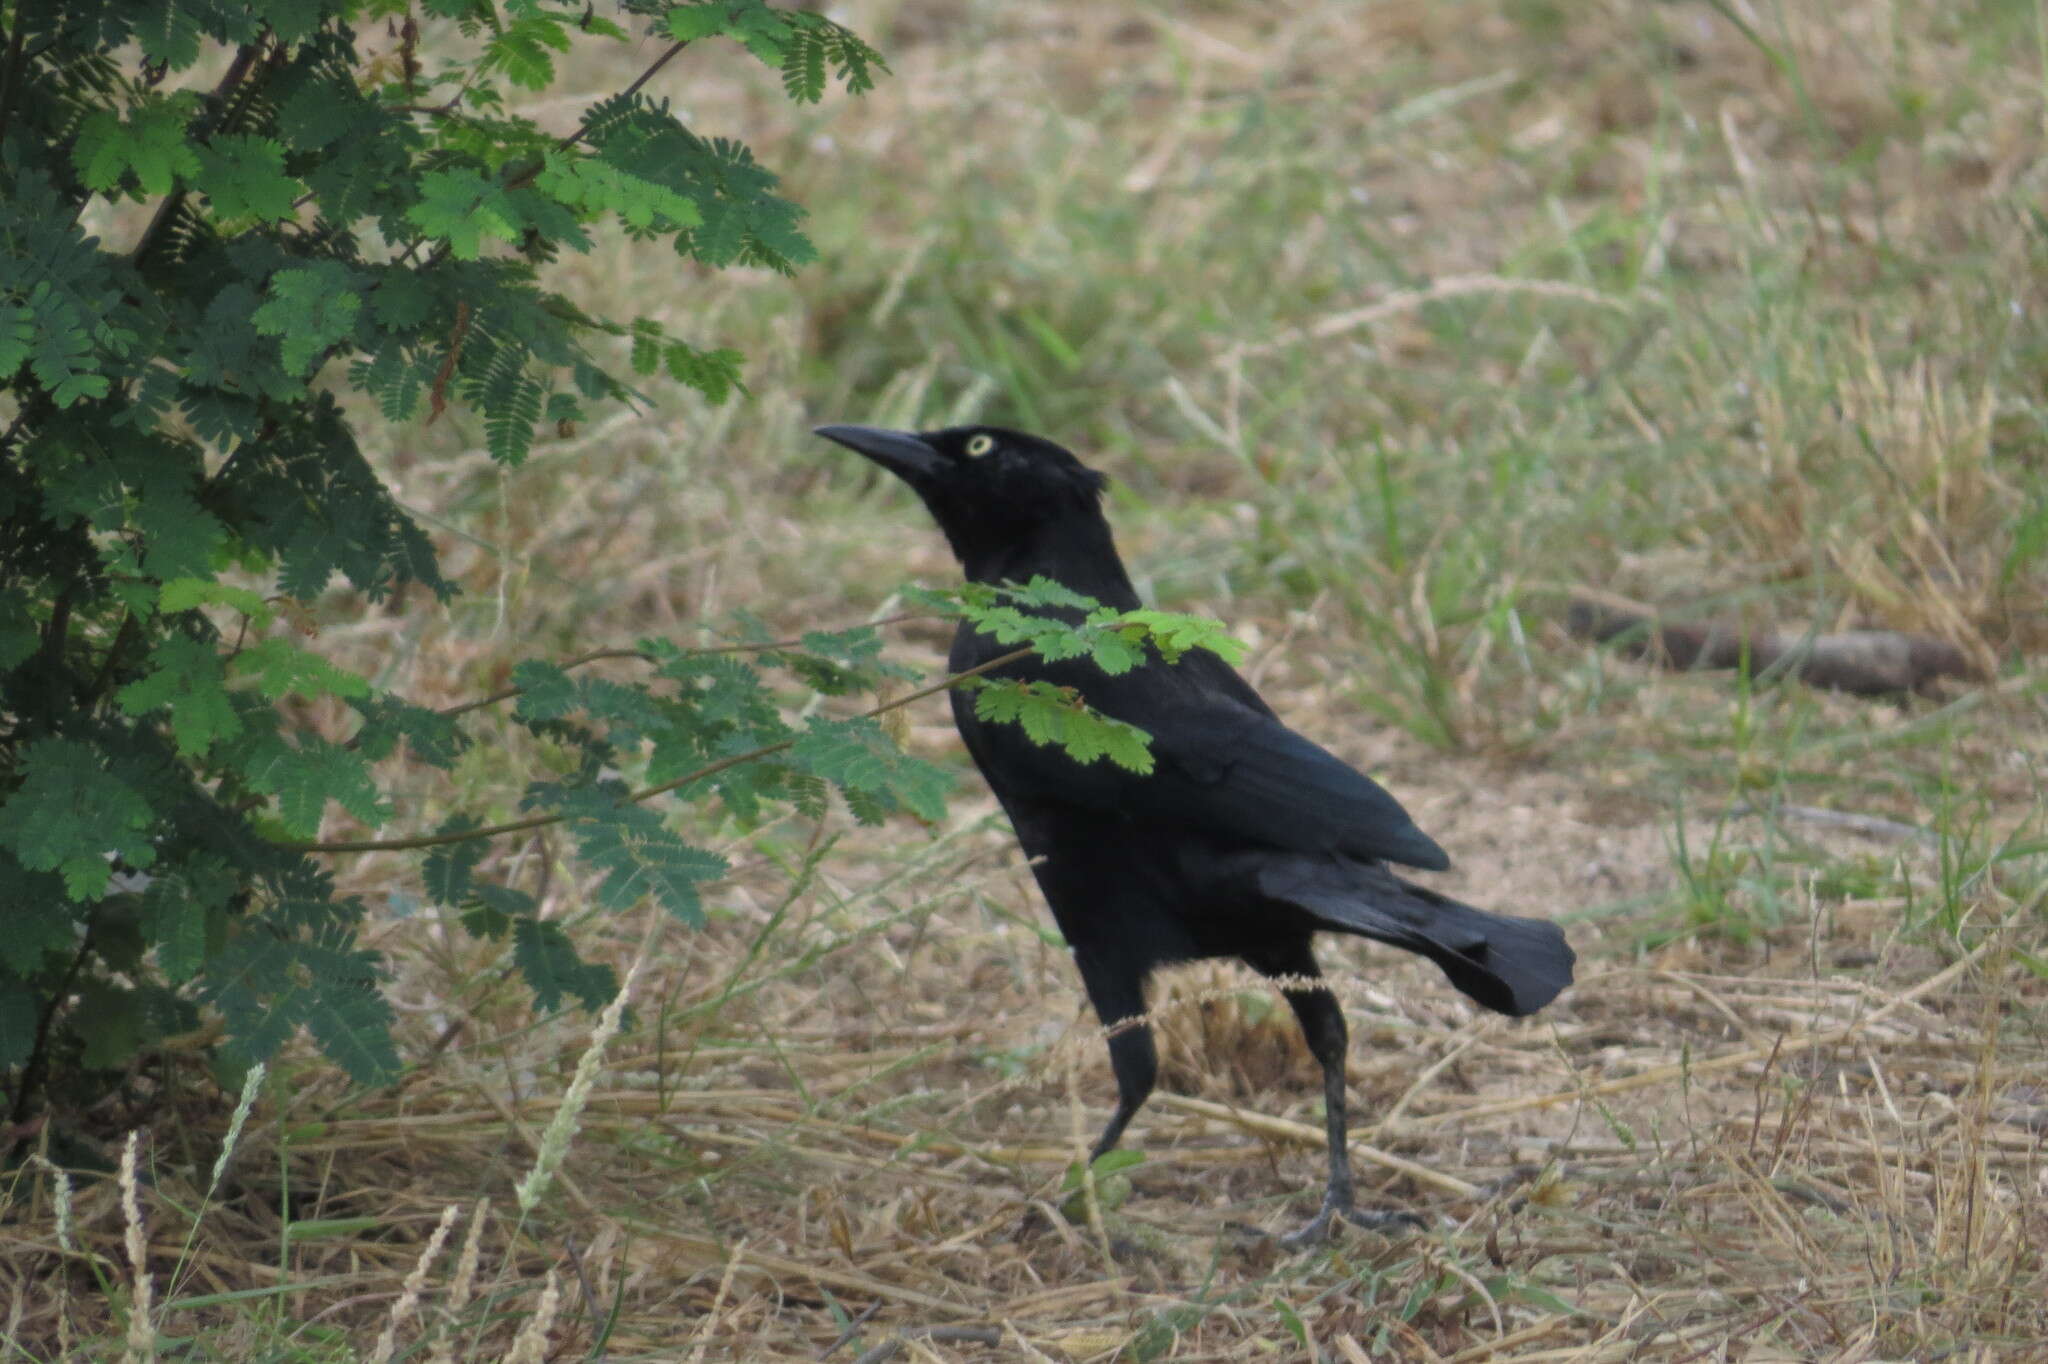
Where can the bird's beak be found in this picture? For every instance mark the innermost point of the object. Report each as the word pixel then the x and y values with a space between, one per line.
pixel 900 452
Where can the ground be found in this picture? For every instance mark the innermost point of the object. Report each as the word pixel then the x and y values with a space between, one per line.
pixel 1395 324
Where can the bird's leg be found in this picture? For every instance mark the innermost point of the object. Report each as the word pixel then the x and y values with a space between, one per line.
pixel 1322 1024
pixel 1135 1061
pixel 1118 993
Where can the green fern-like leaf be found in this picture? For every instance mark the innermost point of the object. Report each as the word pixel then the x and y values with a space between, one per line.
pixel 395 378
pixel 545 691
pixel 1057 717
pixel 1059 623
pixel 184 594
pixel 185 677
pixel 549 961
pixel 150 143
pixel 761 29
pixel 510 400
pixel 713 373
pixel 465 209
pixel 521 49
pixel 447 868
pixel 493 909
pixel 803 64
pixel 244 177
pixel 629 710
pixel 41 924
pixel 1044 592
pixel 71 816
pixel 351 1020
pixel 17 336
pixel 592 185
pixel 178 908
pixel 860 758
pixel 311 307
pixel 647 346
pixel 692 23
pixel 431 736
pixel 855 60
pixel 85 323
pixel 281 668
pixel 638 856
pixel 1174 634
pixel 326 202
pixel 169 36
pixel 305 777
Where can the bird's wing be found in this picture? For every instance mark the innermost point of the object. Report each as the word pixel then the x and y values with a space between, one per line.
pixel 1221 766
pixel 1260 778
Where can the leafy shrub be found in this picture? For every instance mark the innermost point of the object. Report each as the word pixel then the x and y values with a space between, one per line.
pixel 177 481
pixel 173 439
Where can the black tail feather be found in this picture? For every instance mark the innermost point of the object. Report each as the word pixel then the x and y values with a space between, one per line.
pixel 1507 964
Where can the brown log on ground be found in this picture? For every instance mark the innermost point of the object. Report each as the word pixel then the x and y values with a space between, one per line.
pixel 1865 662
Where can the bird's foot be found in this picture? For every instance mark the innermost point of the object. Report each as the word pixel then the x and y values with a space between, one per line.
pixel 1336 1214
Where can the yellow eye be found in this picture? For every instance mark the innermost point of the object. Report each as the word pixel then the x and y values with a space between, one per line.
pixel 978 446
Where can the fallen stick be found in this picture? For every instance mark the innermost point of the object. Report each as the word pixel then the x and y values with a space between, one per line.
pixel 1870 826
pixel 1862 662
pixel 1286 1129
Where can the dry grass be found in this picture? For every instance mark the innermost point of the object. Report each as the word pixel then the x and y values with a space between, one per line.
pixel 1393 321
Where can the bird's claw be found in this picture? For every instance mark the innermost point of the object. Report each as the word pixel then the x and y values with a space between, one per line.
pixel 1317 1231
pixel 1335 1215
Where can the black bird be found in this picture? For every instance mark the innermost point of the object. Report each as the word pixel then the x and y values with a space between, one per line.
pixel 1244 841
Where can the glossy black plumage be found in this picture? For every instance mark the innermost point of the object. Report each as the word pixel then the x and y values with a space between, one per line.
pixel 1245 841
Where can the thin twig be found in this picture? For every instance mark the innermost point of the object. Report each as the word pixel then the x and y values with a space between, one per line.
pixel 507 693
pixel 590 1307
pixel 38 1064
pixel 107 664
pixel 852 1329
pixel 595 655
pixel 965 1335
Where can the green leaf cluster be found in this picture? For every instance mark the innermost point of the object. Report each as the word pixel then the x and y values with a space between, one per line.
pixel 799 43
pixel 1058 717
pixel 709 721
pixel 725 732
pixel 1058 624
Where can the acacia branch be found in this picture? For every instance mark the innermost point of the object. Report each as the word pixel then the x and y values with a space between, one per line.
pixel 528 175
pixel 211 122
pixel 10 69
pixel 709 769
pixel 105 677
pixel 507 693
pixel 38 1064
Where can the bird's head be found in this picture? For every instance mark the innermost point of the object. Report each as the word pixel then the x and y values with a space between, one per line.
pixel 1001 497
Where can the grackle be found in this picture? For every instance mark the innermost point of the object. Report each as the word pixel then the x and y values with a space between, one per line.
pixel 1245 840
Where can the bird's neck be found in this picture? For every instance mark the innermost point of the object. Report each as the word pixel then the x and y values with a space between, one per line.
pixel 1076 552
